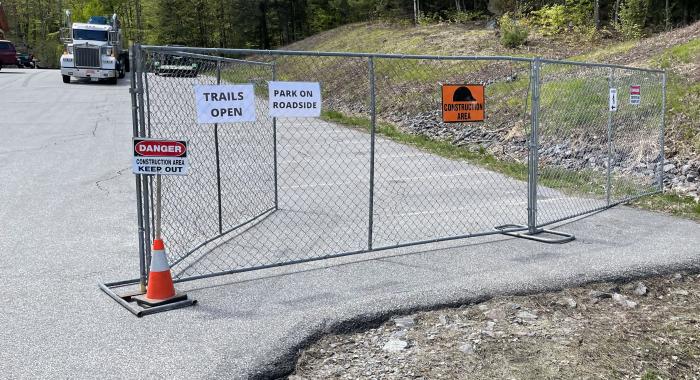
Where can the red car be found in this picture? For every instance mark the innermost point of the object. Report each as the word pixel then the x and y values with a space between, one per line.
pixel 8 54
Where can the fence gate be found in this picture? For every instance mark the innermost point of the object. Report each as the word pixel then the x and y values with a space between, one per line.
pixel 380 168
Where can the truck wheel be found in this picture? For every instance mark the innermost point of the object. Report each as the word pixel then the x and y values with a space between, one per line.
pixel 121 72
pixel 66 78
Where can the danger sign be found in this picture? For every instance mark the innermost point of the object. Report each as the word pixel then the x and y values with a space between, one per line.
pixel 225 103
pixel 162 157
pixel 462 102
pixel 294 99
pixel 635 95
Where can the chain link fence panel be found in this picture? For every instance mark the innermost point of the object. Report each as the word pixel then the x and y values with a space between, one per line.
pixel 590 157
pixel 379 168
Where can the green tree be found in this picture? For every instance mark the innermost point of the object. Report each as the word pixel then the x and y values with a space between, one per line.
pixel 633 15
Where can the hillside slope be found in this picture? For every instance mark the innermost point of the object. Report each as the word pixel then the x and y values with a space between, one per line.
pixel 677 51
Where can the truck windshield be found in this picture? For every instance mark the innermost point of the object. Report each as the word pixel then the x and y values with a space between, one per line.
pixel 93 35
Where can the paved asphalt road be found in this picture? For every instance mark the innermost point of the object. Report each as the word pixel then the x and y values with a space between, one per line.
pixel 67 222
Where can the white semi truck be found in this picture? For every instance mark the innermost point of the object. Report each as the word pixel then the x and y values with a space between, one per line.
pixel 93 50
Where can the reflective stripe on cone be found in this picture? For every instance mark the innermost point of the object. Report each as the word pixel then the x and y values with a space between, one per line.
pixel 160 282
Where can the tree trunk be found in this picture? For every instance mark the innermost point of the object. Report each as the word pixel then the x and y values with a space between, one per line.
pixel 596 14
pixel 415 12
pixel 667 17
pixel 139 25
pixel 293 30
pixel 617 12
pixel 264 34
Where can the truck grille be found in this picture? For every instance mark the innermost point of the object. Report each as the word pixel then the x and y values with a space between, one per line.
pixel 87 57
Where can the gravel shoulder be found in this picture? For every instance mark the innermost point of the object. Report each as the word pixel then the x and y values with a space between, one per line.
pixel 645 329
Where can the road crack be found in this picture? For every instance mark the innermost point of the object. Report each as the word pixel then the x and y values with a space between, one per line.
pixel 118 173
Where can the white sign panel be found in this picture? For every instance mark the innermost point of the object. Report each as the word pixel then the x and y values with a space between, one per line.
pixel 613 99
pixel 635 95
pixel 225 103
pixel 162 157
pixel 295 99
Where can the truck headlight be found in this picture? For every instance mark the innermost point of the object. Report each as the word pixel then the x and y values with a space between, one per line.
pixel 69 49
pixel 108 51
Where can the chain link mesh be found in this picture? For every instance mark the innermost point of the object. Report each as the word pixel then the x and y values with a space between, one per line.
pixel 424 194
pixel 284 190
pixel 590 157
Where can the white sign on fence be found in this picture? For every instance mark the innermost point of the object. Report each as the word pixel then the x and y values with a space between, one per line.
pixel 161 157
pixel 613 99
pixel 294 99
pixel 225 103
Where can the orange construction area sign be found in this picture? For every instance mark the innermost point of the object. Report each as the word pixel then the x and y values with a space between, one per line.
pixel 462 102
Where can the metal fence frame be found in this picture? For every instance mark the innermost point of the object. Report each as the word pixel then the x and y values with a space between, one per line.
pixel 533 229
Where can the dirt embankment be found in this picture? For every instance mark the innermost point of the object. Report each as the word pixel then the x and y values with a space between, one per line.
pixel 647 329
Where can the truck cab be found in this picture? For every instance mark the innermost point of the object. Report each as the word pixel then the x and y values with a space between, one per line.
pixel 93 50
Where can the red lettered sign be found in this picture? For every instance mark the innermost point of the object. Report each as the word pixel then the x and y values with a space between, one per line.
pixel 160 157
pixel 635 95
pixel 160 148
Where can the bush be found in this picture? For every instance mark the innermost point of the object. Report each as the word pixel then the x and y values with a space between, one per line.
pixel 501 7
pixel 633 16
pixel 425 19
pixel 462 17
pixel 513 32
pixel 573 16
pixel 48 53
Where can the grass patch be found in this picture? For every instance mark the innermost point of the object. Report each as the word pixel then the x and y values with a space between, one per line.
pixel 677 205
pixel 513 94
pixel 683 99
pixel 683 53
pixel 573 103
pixel 604 53
pixel 651 374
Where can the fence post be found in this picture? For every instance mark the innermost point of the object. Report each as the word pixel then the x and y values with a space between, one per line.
pixel 140 72
pixel 373 120
pixel 139 204
pixel 274 142
pixel 662 137
pixel 533 157
pixel 216 153
pixel 609 166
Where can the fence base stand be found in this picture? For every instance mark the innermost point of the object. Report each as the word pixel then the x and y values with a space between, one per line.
pixel 564 237
pixel 144 302
pixel 128 299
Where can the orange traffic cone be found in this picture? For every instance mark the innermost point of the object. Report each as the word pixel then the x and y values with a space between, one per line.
pixel 160 283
